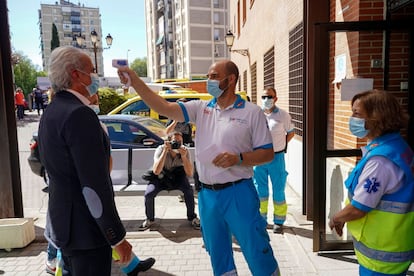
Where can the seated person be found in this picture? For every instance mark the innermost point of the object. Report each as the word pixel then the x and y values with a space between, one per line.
pixel 172 165
pixel 185 128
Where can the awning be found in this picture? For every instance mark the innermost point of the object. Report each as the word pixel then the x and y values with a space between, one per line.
pixel 159 40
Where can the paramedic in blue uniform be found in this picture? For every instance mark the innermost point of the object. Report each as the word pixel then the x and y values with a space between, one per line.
pixel 281 128
pixel 379 210
pixel 232 137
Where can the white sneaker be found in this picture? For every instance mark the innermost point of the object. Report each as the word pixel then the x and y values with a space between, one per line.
pixel 51 266
pixel 145 225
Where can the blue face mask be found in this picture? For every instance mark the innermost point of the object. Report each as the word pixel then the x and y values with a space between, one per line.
pixel 357 127
pixel 213 88
pixel 94 86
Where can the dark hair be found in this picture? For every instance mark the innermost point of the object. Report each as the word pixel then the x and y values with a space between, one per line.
pixel 384 113
pixel 173 133
pixel 269 88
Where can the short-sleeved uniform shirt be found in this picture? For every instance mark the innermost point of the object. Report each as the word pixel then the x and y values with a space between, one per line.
pixel 380 176
pixel 280 123
pixel 241 127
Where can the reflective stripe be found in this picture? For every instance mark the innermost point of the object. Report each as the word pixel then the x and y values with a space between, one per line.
pixel 391 206
pixel 396 257
pixel 395 207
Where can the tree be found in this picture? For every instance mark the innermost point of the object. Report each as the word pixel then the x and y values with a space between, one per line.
pixel 54 43
pixel 139 65
pixel 25 73
pixel 109 99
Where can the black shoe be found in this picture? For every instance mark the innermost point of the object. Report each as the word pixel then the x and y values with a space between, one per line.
pixel 278 228
pixel 143 265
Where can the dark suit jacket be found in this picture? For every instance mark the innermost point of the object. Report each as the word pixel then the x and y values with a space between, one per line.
pixel 75 152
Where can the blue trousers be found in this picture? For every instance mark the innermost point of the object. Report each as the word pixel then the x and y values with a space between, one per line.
pixel 277 171
pixel 235 211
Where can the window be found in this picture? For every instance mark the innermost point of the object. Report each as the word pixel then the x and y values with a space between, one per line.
pixel 244 11
pixel 216 16
pixel 269 68
pixel 253 82
pixel 296 77
pixel 245 80
pixel 137 108
pixel 216 34
pixel 238 18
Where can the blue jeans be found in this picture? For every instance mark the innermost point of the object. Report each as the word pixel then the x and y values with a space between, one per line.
pixel 51 252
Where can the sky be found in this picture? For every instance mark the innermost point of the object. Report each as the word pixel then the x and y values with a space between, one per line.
pixel 124 20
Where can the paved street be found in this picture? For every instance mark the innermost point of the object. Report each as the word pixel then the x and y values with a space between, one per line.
pixel 177 248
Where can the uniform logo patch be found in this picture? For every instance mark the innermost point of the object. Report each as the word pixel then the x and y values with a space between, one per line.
pixel 371 185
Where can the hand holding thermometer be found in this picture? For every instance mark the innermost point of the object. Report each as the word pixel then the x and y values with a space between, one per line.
pixel 118 63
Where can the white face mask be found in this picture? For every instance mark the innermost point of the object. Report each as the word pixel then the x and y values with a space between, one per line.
pixel 267 104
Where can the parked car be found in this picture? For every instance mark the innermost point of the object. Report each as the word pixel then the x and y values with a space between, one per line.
pixel 137 106
pixel 125 132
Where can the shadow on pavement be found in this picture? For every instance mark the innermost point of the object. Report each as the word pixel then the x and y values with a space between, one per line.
pixel 28 118
pixel 175 230
pixel 306 233
pixel 32 249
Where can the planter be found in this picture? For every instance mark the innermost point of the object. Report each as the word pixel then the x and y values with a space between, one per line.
pixel 16 233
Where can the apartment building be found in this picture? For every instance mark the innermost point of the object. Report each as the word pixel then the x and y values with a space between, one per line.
pixel 185 37
pixel 71 21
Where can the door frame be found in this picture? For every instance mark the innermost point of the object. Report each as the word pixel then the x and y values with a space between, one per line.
pixel 317 114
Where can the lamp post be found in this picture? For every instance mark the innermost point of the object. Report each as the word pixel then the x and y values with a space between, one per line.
pixel 229 43
pixel 244 52
pixel 80 40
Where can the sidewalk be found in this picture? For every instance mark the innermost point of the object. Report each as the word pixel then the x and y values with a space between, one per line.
pixel 178 248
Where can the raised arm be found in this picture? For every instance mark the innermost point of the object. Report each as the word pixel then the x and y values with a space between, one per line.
pixel 153 100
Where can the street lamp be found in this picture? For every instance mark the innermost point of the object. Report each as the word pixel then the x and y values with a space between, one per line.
pixel 80 40
pixel 229 43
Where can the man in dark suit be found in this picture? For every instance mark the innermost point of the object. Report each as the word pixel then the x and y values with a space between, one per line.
pixel 82 218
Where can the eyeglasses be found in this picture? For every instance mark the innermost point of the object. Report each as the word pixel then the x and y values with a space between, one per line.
pixel 267 97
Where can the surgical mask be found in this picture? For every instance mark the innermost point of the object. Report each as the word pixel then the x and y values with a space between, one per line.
pixel 267 104
pixel 95 108
pixel 213 88
pixel 357 127
pixel 94 86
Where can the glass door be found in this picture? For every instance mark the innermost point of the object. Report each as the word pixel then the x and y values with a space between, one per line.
pixel 350 57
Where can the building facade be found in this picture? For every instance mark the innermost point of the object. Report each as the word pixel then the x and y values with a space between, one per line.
pixel 71 20
pixel 185 37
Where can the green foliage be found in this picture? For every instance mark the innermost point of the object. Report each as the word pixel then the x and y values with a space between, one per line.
pixel 139 65
pixel 25 74
pixel 109 99
pixel 54 43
